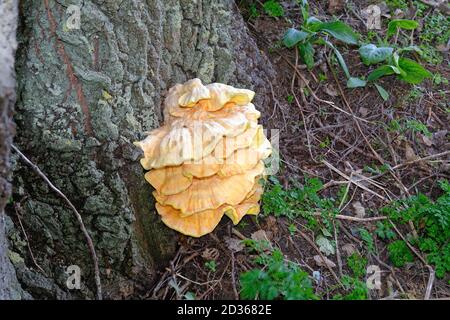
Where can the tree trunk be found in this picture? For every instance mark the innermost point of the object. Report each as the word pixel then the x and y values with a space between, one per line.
pixel 84 95
pixel 9 286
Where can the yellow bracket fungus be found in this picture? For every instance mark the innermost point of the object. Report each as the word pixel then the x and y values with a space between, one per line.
pixel 207 159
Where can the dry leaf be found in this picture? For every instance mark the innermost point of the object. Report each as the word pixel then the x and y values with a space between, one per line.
pixel 234 244
pixel 348 249
pixel 260 235
pixel 360 211
pixel 399 14
pixel 210 254
pixel 426 141
pixel 331 90
pixel 410 155
pixel 325 262
pixel 335 6
pixel 363 111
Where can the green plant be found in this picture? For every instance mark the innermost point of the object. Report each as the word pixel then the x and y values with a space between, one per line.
pixel 395 61
pixel 290 98
pixel 313 31
pixel 301 201
pixel 399 253
pixel 211 265
pixel 439 79
pixel 417 126
pixel 368 239
pixel 403 125
pixel 357 264
pixel 357 288
pixel 384 231
pixel 273 8
pixel 432 221
pixel 253 11
pixel 397 4
pixel 292 229
pixel 435 32
pixel 277 279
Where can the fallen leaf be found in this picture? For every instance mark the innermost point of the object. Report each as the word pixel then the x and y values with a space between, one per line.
pixel 271 226
pixel 426 141
pixel 440 138
pixel 324 262
pixel 210 254
pixel 348 249
pixel 399 14
pixel 260 235
pixel 363 111
pixel 325 245
pixel 335 6
pixel 234 244
pixel 410 155
pixel 331 90
pixel 360 211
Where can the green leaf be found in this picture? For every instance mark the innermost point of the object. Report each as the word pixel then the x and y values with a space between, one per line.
pixel 339 57
pixel 371 54
pixel 306 51
pixel 294 36
pixel 402 24
pixel 273 8
pixel 313 24
pixel 340 31
pixel 383 93
pixel 414 73
pixel 410 48
pixel 305 11
pixel 342 62
pixel 325 245
pixel 354 82
pixel 379 72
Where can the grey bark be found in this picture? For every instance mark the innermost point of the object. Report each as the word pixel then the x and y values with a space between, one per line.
pixel 84 96
pixel 9 286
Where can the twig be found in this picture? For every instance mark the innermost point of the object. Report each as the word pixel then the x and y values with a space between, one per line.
pixel 233 279
pixel 353 181
pixel 301 109
pixel 77 215
pixel 313 94
pixel 338 252
pixel 238 234
pixel 437 155
pixel 356 219
pixel 358 126
pixel 17 209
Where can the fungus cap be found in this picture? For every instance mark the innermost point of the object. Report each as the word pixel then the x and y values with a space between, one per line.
pixel 206 160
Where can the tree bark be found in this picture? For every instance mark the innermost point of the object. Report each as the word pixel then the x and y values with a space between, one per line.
pixel 84 95
pixel 9 286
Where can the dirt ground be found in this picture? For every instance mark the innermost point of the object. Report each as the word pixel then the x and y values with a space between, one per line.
pixel 332 133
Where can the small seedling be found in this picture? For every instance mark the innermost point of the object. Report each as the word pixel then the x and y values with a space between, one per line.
pixel 273 8
pixel 315 32
pixel 211 265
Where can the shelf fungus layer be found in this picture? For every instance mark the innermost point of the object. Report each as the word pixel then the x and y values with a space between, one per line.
pixel 206 161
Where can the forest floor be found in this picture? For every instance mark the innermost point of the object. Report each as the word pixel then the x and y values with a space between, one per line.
pixel 360 207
